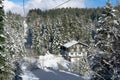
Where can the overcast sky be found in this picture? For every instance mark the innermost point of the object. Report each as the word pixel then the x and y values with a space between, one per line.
pixel 16 6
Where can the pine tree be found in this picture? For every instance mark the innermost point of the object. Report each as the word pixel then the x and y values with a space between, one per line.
pixel 13 43
pixel 106 62
pixel 14 32
pixel 3 73
pixel 47 37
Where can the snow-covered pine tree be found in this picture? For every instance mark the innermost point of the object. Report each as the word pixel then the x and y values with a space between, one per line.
pixel 36 39
pixel 106 62
pixel 47 37
pixel 54 36
pixel 107 29
pixel 14 31
pixel 3 57
pixel 14 41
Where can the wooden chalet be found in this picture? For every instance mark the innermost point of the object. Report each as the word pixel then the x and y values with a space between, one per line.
pixel 73 49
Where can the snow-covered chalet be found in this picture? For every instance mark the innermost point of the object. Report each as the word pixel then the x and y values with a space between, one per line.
pixel 73 49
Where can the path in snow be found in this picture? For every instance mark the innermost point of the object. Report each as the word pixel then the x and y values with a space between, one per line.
pixel 47 74
pixel 51 74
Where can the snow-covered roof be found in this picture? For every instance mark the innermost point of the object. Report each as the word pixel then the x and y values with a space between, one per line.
pixel 69 44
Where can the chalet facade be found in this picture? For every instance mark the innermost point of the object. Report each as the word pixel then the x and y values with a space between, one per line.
pixel 73 49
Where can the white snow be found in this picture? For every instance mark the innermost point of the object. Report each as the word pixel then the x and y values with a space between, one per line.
pixel 1 5
pixel 116 22
pixel 52 61
pixel 2 35
pixel 69 73
pixel 50 67
pixel 114 10
pixel 47 61
pixel 29 76
pixel 25 28
pixel 71 43
pixel 113 14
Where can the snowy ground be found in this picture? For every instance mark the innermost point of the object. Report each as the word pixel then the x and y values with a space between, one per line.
pixel 48 67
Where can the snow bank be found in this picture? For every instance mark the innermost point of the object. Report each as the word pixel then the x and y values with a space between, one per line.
pixel 27 75
pixel 52 61
pixel 47 61
pixel 70 73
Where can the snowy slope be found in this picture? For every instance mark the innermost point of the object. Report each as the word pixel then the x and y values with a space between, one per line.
pixel 55 75
pixel 48 67
pixel 49 74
